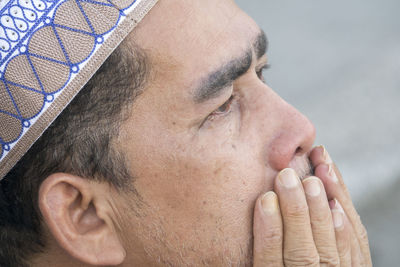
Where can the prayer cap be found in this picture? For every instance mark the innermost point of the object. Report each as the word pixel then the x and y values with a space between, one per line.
pixel 49 49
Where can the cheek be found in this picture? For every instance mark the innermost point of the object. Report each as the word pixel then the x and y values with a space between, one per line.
pixel 204 183
pixel 202 192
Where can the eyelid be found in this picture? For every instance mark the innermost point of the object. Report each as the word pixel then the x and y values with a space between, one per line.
pixel 215 114
pixel 228 102
pixel 265 66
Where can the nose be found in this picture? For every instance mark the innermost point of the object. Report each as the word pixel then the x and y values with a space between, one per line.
pixel 294 137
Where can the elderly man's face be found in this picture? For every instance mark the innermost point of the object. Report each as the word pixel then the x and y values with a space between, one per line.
pixel 206 137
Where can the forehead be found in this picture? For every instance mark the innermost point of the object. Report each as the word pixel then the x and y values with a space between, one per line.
pixel 187 38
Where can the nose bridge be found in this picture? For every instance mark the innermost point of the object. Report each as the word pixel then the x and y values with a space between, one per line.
pixel 293 133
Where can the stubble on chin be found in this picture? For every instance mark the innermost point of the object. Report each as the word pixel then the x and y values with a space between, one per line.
pixel 165 250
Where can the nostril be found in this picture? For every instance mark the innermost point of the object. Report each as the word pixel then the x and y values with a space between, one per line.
pixel 299 150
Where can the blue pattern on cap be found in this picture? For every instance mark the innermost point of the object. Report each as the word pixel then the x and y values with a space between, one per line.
pixel 20 19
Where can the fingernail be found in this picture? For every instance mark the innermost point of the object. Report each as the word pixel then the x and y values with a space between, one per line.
pixel 288 178
pixel 332 174
pixel 337 217
pixel 312 187
pixel 333 203
pixel 269 203
pixel 339 206
pixel 326 156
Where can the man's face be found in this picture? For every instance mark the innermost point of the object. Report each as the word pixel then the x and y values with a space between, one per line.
pixel 206 137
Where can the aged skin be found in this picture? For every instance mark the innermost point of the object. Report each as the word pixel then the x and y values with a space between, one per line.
pixel 200 179
pixel 203 142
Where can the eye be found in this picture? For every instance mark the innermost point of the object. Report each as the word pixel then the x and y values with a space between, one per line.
pixel 225 108
pixel 260 72
pixel 222 111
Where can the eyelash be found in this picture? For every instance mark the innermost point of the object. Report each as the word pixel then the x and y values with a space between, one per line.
pixel 228 104
pixel 261 70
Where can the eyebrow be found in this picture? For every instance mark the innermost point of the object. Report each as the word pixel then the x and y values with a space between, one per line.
pixel 214 83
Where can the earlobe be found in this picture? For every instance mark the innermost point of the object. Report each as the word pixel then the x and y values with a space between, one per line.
pixel 74 211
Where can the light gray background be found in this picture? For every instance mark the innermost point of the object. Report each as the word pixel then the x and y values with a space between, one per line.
pixel 339 63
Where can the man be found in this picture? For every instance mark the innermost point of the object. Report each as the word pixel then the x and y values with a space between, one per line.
pixel 170 153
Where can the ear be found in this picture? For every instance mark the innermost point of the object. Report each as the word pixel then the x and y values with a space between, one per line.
pixel 76 212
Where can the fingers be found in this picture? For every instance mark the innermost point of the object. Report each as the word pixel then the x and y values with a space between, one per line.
pixel 267 229
pixel 304 229
pixel 326 170
pixel 344 235
pixel 321 221
pixel 298 244
pixel 356 257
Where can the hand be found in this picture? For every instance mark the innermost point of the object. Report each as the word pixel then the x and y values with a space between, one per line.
pixel 298 226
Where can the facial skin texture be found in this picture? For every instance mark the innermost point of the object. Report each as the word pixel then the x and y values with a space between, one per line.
pixel 198 175
pixel 198 164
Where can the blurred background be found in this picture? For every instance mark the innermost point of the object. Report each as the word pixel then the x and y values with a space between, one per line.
pixel 338 62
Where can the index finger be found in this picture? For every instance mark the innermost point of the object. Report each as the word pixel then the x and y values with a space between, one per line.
pixel 267 231
pixel 299 246
pixel 336 188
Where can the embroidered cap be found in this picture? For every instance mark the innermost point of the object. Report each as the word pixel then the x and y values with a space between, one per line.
pixel 49 49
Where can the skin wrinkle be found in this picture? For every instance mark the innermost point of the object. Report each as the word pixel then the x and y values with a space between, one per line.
pixel 197 194
pixel 212 86
pixel 212 43
pixel 160 238
pixel 219 79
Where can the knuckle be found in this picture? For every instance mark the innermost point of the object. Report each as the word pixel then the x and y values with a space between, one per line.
pixel 344 251
pixel 298 210
pixel 301 258
pixel 363 234
pixel 321 219
pixel 361 230
pixel 302 262
pixel 273 236
pixel 329 261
